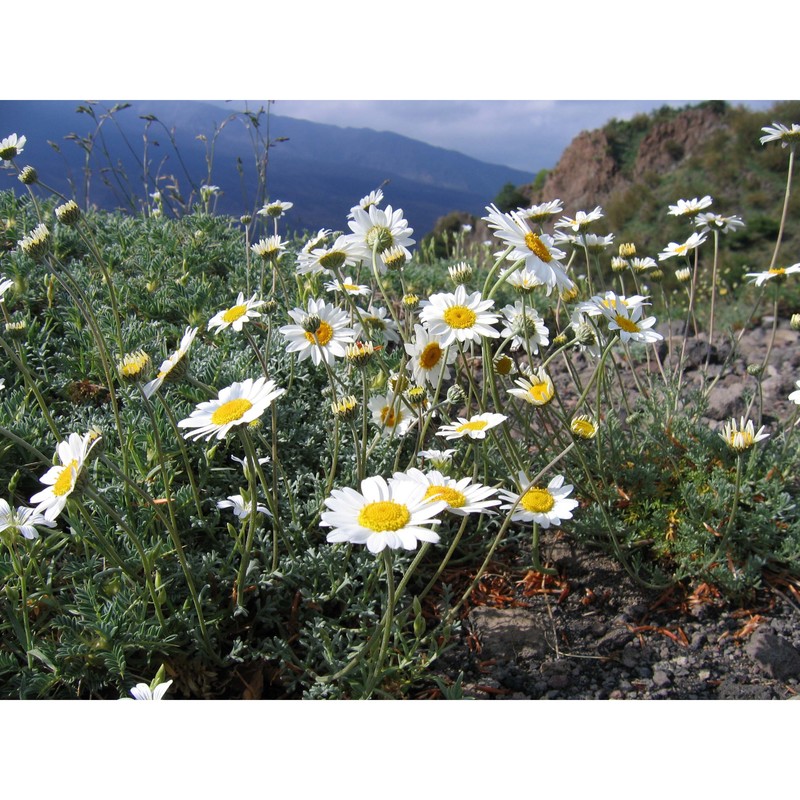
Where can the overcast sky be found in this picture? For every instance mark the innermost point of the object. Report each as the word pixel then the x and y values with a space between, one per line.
pixel 526 134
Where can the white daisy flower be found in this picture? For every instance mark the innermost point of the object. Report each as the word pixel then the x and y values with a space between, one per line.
pixel 5 285
pixel 536 388
pixel 795 396
pixel 374 198
pixel 237 404
pixel 142 691
pixel 377 325
pixel 11 147
pixel 245 464
pixel 462 496
pixel 167 370
pixel 779 133
pixel 594 243
pixel 690 208
pixel 391 415
pixel 270 248
pixel 760 278
pixel 587 337
pixel 326 259
pixel 349 286
pixel 709 221
pixel 675 249
pixel 742 437
pixel 393 514
pixel 327 341
pixel 641 264
pixel 428 359
pixel 440 459
pixel 536 250
pixel 629 322
pixel 524 325
pixel 275 209
pixel 452 317
pixel 241 507
pixel 240 312
pixel 581 221
pixel 524 280
pixel 545 506
pixel 23 520
pixel 62 478
pixel 542 212
pixel 475 427
pixel 600 303
pixel 381 229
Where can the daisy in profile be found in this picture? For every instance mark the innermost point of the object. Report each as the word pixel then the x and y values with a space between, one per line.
pixel 600 303
pixel 275 209
pixel 429 362
pixel 777 133
pixel 690 208
pixel 536 250
pixel 523 280
pixel 440 459
pixel 241 507
pixel 349 286
pixel 390 414
pixel 394 514
pixel 456 317
pixel 5 285
pixel 628 321
pixel 62 479
pixel 237 404
pixel 240 312
pixel 595 243
pixel 795 396
pixel 675 249
pixel 542 212
pixel 536 388
pixel 708 221
pixel 22 521
pixel 587 338
pixel 524 327
pixel 742 437
pixel 462 496
pixel 326 259
pixel 377 326
pixel 270 248
pixel 581 221
pixel 11 147
pixel 321 331
pixel 378 231
pixel 174 367
pixel 544 505
pixel 374 198
pixel 779 273
pixel 475 427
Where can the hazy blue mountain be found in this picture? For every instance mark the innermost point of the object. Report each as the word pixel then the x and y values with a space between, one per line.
pixel 322 169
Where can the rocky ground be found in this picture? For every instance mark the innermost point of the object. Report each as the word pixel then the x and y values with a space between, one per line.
pixel 592 633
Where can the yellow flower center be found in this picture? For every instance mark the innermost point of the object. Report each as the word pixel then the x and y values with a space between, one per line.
pixel 473 425
pixel 430 356
pixel 460 317
pixel 384 515
pixel 231 411
pixel 452 497
pixel 324 334
pixel 389 418
pixel 65 480
pixel 776 271
pixel 232 314
pixel 540 393
pixel 350 287
pixel 538 247
pixel 626 324
pixel 537 500
pixel 583 428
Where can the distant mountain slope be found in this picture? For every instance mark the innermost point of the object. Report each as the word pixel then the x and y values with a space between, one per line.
pixel 322 169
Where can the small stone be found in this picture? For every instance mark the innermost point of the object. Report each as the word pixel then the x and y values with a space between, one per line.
pixel 775 655
pixel 661 679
